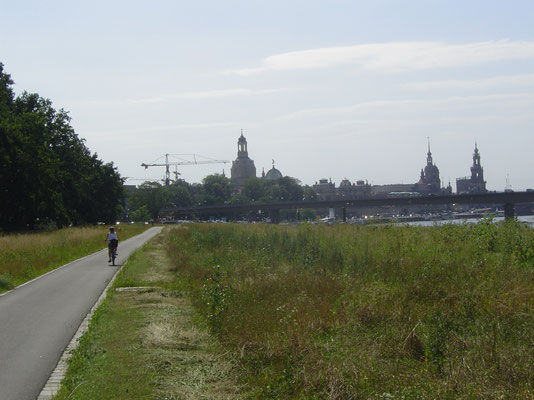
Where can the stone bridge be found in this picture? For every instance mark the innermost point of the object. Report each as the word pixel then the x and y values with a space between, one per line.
pixel 506 199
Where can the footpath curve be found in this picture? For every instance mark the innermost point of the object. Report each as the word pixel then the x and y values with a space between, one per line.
pixel 38 319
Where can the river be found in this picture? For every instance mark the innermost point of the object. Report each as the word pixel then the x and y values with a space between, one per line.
pixel 528 219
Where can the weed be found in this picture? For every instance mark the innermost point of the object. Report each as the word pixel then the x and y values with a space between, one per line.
pixel 26 256
pixel 6 282
pixel 329 312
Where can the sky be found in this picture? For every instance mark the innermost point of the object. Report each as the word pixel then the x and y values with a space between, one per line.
pixel 327 89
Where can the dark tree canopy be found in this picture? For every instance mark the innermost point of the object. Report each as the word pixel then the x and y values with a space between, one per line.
pixel 47 174
pixel 148 199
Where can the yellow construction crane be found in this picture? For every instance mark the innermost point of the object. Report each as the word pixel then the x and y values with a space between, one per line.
pixel 196 159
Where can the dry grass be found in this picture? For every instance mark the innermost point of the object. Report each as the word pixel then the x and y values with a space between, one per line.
pixel 144 344
pixel 367 312
pixel 25 256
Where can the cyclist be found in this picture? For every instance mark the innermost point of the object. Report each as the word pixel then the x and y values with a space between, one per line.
pixel 113 241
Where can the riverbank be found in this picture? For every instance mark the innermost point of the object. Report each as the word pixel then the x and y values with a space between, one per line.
pixel 372 312
pixel 320 312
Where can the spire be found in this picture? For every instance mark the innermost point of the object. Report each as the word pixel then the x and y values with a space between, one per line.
pixel 429 154
pixel 477 172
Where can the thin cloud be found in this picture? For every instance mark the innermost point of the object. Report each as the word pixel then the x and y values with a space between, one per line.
pixel 514 80
pixel 209 94
pixel 365 107
pixel 166 128
pixel 199 95
pixel 395 56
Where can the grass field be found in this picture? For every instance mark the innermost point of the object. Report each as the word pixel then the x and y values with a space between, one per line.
pixel 350 312
pixel 144 344
pixel 26 256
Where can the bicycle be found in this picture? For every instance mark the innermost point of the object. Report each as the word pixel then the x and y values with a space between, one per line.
pixel 113 244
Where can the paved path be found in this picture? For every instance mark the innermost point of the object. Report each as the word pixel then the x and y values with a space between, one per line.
pixel 38 320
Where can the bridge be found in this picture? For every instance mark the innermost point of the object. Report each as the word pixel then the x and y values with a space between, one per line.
pixel 506 199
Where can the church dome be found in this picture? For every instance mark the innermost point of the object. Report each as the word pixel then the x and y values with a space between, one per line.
pixel 273 174
pixel 345 183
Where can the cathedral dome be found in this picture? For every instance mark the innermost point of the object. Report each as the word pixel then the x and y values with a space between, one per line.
pixel 345 183
pixel 273 174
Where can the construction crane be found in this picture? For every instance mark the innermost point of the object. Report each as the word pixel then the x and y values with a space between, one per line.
pixel 182 161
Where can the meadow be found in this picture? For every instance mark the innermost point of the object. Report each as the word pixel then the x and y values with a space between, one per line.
pixel 26 256
pixel 352 312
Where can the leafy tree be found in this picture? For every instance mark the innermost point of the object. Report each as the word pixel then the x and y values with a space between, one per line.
pixel 49 177
pixel 254 188
pixel 217 189
pixel 177 196
pixel 308 214
pixel 155 197
pixel 148 194
pixel 309 193
pixel 239 198
pixel 140 215
pixel 285 189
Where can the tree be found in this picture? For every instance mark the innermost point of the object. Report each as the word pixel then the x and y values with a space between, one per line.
pixel 308 214
pixel 309 193
pixel 50 177
pixel 254 188
pixel 140 215
pixel 217 189
pixel 285 189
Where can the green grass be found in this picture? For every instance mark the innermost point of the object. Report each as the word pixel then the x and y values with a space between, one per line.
pixel 144 344
pixel 26 256
pixel 351 312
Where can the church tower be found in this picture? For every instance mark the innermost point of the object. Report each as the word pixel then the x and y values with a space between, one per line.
pixel 478 185
pixel 477 172
pixel 243 167
pixel 475 183
pixel 429 181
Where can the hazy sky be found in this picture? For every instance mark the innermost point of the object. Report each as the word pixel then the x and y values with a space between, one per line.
pixel 328 89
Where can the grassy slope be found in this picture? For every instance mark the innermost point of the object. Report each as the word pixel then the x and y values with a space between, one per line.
pixel 367 312
pixel 145 345
pixel 26 256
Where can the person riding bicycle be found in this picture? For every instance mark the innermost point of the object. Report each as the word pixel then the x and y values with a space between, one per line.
pixel 113 242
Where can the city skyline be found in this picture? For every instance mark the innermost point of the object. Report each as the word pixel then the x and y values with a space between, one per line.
pixel 340 89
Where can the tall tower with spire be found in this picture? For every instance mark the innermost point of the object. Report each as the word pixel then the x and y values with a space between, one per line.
pixel 475 183
pixel 243 167
pixel 429 181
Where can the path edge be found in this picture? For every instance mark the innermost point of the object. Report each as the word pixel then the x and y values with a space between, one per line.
pixel 53 384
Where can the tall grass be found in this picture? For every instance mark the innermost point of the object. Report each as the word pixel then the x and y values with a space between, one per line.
pixel 26 256
pixel 368 312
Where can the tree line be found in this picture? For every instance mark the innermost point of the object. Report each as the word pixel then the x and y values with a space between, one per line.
pixel 48 177
pixel 148 199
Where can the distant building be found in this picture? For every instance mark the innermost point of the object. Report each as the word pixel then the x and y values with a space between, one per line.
pixel 272 175
pixel 243 167
pixel 474 183
pixel 429 182
pixel 357 190
pixel 326 190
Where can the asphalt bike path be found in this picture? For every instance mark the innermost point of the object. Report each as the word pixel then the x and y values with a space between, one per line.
pixel 38 319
